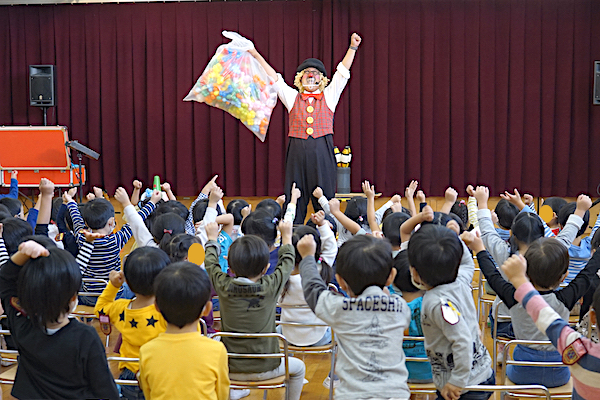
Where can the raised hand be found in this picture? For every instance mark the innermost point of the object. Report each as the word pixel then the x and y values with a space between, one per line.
pixel 318 192
pixel 212 230
pixel 411 189
pixel 122 197
pixel 318 218
pixel 306 246
pixel 117 278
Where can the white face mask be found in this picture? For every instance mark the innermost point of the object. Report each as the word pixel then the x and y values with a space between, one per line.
pixel 75 305
pixel 419 286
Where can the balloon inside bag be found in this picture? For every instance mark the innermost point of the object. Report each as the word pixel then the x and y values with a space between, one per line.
pixel 235 82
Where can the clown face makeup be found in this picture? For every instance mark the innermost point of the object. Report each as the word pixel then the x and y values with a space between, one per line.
pixel 311 77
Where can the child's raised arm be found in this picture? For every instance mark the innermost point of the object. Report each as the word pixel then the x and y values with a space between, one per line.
pixel 450 198
pixel 487 265
pixel 351 226
pixel 472 206
pixel 409 194
pixel 323 201
pixel 497 247
pixel 407 227
pixel 46 195
pixel 189 223
pixel 166 187
pixel 290 212
pixel 328 244
pixel 78 223
pixel 421 199
pixel 369 191
pixel 134 219
pixel 135 195
pixel 312 283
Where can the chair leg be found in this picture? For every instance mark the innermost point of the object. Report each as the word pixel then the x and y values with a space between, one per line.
pixel 265 394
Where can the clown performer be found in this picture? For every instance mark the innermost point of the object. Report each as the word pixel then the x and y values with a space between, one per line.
pixel 309 160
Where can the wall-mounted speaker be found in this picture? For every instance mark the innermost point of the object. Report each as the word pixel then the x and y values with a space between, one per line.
pixel 41 85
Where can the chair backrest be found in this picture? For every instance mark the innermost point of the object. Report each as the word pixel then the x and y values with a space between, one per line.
pixel 526 390
pixel 126 382
pixel 91 280
pixel 546 364
pixel 283 355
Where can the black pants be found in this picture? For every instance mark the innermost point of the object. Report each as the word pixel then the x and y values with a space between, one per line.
pixel 310 163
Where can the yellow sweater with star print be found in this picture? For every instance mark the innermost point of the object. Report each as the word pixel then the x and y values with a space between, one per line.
pixel 137 326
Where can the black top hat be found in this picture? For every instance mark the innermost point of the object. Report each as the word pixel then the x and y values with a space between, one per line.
pixel 312 62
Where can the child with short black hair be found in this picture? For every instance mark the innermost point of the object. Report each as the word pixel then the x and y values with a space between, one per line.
pixel 182 293
pixel 240 209
pixel 263 224
pixel 137 320
pixel 248 302
pixel 442 265
pixel 369 325
pixel 103 255
pixel 59 357
pixel 578 352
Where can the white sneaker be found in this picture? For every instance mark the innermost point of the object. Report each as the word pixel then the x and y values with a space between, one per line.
pixel 327 383
pixel 236 394
pixel 499 357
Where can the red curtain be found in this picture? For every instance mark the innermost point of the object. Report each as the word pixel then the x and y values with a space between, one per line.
pixel 446 92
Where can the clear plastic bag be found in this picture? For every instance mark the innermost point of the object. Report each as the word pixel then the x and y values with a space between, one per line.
pixel 235 82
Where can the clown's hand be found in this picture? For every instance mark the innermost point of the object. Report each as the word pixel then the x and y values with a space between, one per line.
pixel 238 40
pixel 355 40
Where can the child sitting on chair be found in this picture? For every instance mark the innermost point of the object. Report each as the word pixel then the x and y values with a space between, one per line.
pixel 442 265
pixel 137 320
pixel 578 352
pixel 59 357
pixel 181 363
pixel 248 302
pixel 102 256
pixel 369 325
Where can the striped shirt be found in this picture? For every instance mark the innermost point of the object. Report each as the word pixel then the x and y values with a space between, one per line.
pixel 586 371
pixel 96 260
pixel 579 255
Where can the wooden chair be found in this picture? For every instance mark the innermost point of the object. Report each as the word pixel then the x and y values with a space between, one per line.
pixel 274 383
pixel 561 392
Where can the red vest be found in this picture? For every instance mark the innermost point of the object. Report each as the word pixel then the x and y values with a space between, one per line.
pixel 310 119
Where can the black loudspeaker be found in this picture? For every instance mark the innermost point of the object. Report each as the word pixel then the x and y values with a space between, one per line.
pixel 41 85
pixel 596 98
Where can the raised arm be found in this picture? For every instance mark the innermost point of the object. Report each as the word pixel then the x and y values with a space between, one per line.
pixel 411 223
pixel 135 195
pixel 450 198
pixel 503 288
pixel 351 226
pixel 267 67
pixel 409 194
pixel 166 187
pixel 355 41
pixel 312 283
pixel 369 191
pixel 290 211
